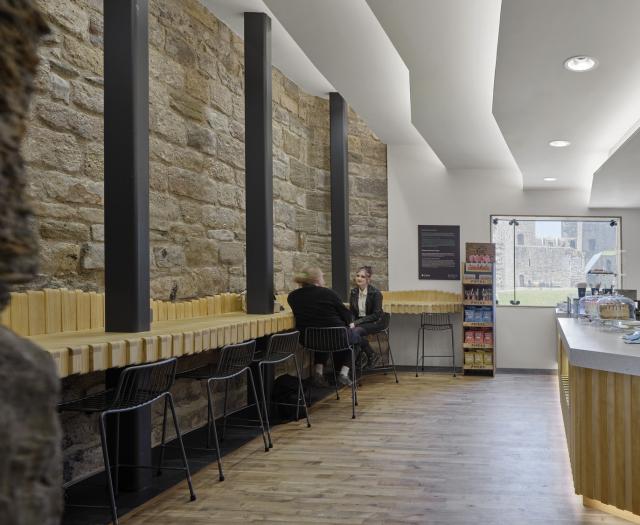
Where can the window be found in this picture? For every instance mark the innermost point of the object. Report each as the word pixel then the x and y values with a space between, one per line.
pixel 540 260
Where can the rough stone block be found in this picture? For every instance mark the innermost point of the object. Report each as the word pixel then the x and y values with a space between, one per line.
pixel 306 220
pixel 197 85
pixel 221 98
pixel 285 239
pixel 85 57
pixel 156 33
pixel 220 171
pixel 231 151
pixel 236 130
pixel 219 218
pixel 201 252
pixel 220 235
pixel 68 15
pixel 65 188
pixel 63 230
pixel 52 149
pixel 318 201
pixel 318 156
pixel 284 213
pixel 231 253
pixel 379 209
pixel 65 118
pixel 172 155
pixel 169 257
pixel 59 257
pixel 164 71
pixel 201 138
pixel 358 206
pixel 188 106
pixel 280 170
pixel 179 49
pixel 280 115
pixel 88 96
pixel 60 88
pixel 168 124
pixel 218 121
pixel 193 185
pixel 159 176
pixel 211 280
pixel 93 256
pixel 97 232
pixel 299 174
pixel 375 188
pixel 30 434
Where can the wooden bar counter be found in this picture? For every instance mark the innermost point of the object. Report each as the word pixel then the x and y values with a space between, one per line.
pixel 599 378
pixel 69 324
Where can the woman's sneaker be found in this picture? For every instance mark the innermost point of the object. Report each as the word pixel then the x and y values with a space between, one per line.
pixel 319 381
pixel 343 380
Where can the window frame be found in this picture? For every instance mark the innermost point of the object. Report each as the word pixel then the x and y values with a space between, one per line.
pixel 582 218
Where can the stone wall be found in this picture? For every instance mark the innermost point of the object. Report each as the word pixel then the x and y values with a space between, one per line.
pixel 196 159
pixel 30 463
pixel 196 177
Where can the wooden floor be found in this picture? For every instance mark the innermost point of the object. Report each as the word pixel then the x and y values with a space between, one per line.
pixel 434 449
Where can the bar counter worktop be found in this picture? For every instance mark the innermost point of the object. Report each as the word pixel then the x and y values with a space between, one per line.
pixel 599 379
pixel 590 346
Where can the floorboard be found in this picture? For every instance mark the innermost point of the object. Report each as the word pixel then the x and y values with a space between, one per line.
pixel 433 449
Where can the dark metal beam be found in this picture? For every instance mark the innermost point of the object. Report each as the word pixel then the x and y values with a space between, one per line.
pixel 258 162
pixel 339 122
pixel 126 165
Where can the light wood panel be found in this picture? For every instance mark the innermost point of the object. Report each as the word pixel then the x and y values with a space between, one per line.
pixel 602 422
pixel 92 350
pixel 50 311
pixel 431 450
pixel 411 302
pixel 606 436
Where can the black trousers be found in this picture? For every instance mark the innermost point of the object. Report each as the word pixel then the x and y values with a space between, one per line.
pixel 343 358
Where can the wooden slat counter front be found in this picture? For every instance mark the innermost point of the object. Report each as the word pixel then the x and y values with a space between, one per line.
pixel 600 398
pixel 94 350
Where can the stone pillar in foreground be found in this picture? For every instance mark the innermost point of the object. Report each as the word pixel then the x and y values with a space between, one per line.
pixel 30 437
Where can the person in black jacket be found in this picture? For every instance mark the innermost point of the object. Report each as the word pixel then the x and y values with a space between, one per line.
pixel 365 303
pixel 313 305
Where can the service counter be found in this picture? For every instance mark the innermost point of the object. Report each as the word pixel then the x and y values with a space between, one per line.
pixel 599 378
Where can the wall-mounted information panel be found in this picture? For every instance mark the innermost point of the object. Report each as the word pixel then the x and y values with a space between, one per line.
pixel 439 252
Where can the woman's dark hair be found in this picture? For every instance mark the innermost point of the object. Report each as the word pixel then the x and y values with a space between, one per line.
pixel 366 269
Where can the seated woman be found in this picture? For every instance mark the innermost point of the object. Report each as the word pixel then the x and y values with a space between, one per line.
pixel 365 303
pixel 315 306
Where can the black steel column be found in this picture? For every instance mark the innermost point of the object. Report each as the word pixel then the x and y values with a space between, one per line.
pixel 126 207
pixel 339 196
pixel 258 162
pixel 126 165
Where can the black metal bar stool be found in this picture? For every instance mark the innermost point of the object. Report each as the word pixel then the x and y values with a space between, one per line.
pixel 434 323
pixel 384 334
pixel 234 361
pixel 332 340
pixel 138 386
pixel 281 348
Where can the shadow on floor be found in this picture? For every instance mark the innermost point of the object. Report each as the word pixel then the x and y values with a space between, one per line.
pixel 93 490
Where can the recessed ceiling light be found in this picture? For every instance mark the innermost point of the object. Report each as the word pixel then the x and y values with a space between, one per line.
pixel 550 179
pixel 580 63
pixel 559 143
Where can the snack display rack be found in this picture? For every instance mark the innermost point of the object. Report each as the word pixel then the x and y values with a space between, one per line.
pixel 479 320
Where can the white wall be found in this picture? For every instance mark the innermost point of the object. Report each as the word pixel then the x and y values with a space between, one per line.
pixel 421 191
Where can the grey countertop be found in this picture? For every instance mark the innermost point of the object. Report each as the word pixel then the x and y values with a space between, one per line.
pixel 590 346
